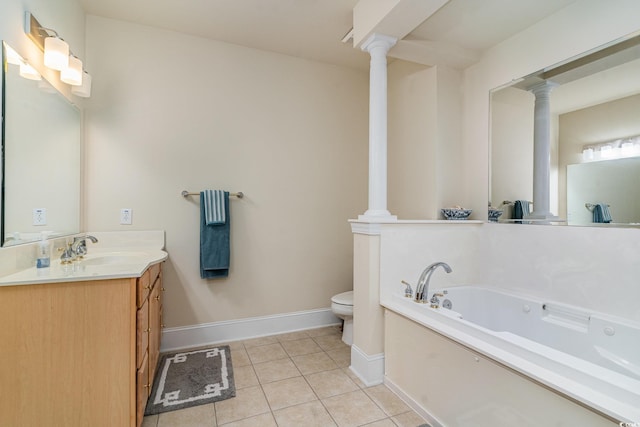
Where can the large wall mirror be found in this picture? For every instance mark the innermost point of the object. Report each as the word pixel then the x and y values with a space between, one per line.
pixel 41 156
pixel 594 139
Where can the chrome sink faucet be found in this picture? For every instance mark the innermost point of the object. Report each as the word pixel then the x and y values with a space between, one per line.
pixel 422 289
pixel 79 245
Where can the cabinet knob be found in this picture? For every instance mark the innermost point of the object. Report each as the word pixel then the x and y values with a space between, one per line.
pixel 158 298
pixel 162 289
pixel 146 386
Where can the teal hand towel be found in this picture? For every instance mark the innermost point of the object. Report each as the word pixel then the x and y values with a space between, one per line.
pixel 521 209
pixel 214 243
pixel 214 207
pixel 601 213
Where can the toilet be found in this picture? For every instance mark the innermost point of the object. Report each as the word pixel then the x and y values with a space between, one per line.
pixel 342 306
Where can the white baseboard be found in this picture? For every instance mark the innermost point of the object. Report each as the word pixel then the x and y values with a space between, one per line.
pixel 370 369
pixel 433 421
pixel 241 329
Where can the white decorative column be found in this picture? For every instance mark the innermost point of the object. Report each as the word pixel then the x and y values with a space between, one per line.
pixel 378 45
pixel 367 350
pixel 542 150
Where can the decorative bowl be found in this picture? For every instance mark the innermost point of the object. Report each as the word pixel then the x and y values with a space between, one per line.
pixel 456 213
pixel 494 214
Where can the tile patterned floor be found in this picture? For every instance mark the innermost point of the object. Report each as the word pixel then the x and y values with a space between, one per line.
pixel 292 380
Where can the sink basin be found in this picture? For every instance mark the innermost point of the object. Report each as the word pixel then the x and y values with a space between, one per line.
pixel 113 258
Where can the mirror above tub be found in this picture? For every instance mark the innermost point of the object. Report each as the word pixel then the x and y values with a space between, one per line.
pixel 41 143
pixel 592 160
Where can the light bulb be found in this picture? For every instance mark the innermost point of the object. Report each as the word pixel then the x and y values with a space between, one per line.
pixel 56 53
pixel 626 148
pixel 12 56
pixel 83 91
pixel 28 72
pixel 73 73
pixel 606 152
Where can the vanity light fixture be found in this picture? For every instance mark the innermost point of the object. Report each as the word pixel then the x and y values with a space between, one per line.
pixel 610 150
pixel 587 154
pixel 12 55
pixel 73 73
pixel 58 56
pixel 84 90
pixel 56 52
pixel 28 72
pixel 627 148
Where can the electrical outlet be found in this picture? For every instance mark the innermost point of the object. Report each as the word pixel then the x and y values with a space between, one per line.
pixel 39 216
pixel 125 216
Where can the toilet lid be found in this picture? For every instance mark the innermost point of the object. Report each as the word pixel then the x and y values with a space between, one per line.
pixel 345 298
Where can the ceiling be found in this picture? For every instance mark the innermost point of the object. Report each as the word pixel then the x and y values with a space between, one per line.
pixel 313 29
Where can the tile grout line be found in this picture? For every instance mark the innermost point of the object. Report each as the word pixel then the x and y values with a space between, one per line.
pixel 290 357
pixel 319 399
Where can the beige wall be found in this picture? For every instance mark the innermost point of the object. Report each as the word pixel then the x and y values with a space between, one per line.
pixel 450 175
pixel 171 112
pixel 411 139
pixel 511 146
pixel 424 140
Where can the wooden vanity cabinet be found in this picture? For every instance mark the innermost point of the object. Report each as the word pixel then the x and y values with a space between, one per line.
pixel 79 353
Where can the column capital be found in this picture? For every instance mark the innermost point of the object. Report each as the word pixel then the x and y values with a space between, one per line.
pixel 379 40
pixel 542 87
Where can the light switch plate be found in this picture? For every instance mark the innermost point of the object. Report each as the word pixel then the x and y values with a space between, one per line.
pixel 39 216
pixel 125 216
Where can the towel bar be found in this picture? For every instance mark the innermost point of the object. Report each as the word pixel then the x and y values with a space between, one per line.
pixel 509 202
pixel 239 194
pixel 590 206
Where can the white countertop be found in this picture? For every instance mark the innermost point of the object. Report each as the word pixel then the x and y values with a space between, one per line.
pixel 121 264
pixel 116 255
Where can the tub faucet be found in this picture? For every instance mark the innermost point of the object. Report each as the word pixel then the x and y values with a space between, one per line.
pixel 422 289
pixel 79 246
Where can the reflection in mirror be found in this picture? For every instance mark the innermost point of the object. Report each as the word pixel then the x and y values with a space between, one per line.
pixel 41 139
pixel 593 139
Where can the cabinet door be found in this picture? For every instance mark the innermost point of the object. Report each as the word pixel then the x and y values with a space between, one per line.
pixel 144 285
pixel 155 307
pixel 154 271
pixel 142 333
pixel 143 388
pixel 65 354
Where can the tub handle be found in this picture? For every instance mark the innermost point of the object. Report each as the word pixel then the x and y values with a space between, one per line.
pixel 435 302
pixel 408 292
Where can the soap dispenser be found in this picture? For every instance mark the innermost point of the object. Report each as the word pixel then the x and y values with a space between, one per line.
pixel 44 251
